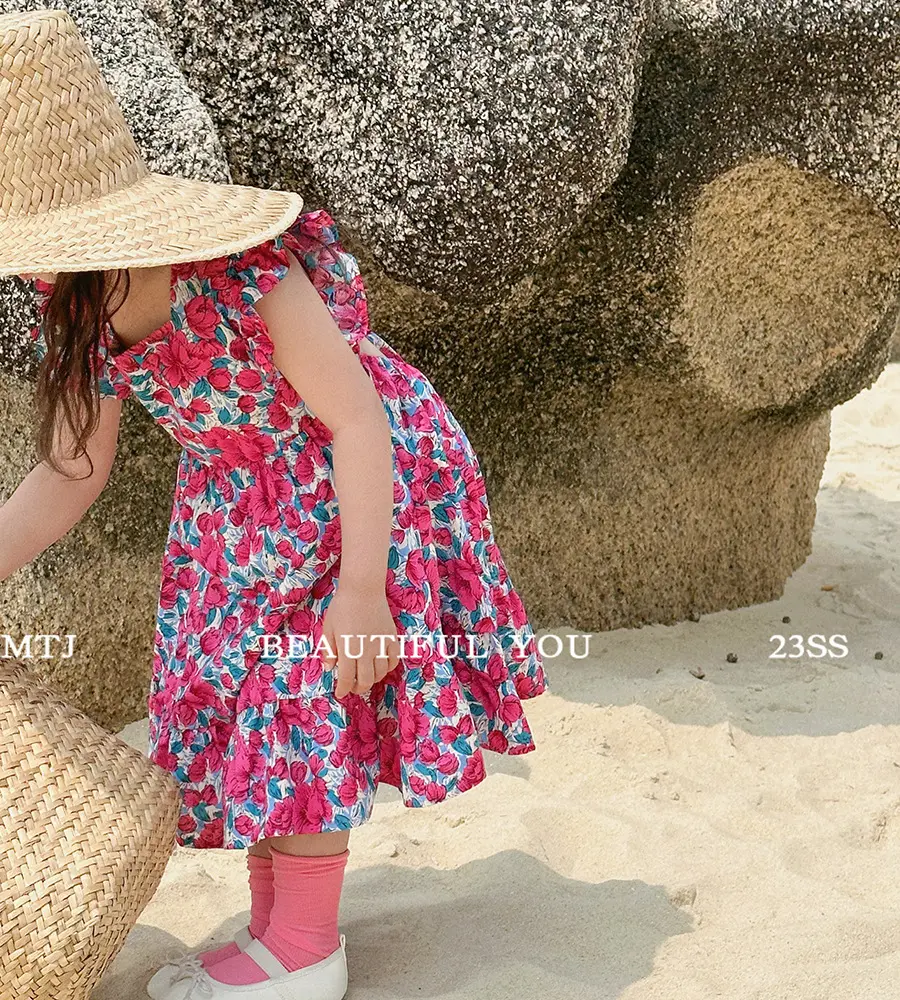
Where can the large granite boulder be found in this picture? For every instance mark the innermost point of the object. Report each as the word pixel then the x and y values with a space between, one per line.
pixel 663 238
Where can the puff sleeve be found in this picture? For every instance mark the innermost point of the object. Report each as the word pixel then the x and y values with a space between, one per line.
pixel 313 238
pixel 260 268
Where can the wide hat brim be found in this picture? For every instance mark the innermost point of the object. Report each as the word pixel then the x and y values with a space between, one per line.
pixel 159 219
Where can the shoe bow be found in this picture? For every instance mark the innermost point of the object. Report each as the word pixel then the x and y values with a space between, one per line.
pixel 191 976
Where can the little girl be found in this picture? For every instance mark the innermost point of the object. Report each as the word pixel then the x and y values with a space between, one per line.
pixel 327 508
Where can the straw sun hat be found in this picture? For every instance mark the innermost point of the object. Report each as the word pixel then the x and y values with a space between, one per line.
pixel 75 192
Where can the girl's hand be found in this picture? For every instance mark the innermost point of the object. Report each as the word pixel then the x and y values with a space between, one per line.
pixel 363 616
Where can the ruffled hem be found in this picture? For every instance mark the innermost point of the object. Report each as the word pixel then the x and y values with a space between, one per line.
pixel 293 759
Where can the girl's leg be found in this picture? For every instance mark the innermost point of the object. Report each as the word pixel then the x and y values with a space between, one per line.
pixel 262 896
pixel 308 871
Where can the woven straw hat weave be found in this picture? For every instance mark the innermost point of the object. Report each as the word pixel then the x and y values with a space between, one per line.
pixel 75 192
pixel 87 824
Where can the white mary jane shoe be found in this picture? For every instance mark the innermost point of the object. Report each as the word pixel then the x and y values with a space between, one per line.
pixel 183 963
pixel 326 980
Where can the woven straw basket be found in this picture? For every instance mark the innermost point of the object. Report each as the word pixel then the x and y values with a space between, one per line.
pixel 87 824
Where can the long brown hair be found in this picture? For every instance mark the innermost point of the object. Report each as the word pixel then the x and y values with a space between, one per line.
pixel 73 319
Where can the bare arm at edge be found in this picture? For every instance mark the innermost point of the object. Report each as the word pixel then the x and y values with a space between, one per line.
pixel 46 505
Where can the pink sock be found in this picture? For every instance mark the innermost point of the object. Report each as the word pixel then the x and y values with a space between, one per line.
pixel 262 896
pixel 303 923
pixel 262 893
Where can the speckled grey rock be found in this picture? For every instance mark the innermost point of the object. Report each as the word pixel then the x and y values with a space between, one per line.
pixel 461 142
pixel 642 249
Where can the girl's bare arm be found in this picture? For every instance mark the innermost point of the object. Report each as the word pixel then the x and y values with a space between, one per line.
pixel 46 505
pixel 313 355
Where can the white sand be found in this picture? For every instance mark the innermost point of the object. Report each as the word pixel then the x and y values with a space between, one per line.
pixel 672 838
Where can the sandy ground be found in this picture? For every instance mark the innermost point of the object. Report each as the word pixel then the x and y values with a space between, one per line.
pixel 672 837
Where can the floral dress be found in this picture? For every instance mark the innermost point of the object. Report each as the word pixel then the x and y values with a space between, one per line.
pixel 255 735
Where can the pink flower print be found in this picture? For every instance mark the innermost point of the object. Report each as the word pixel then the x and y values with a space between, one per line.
pixel 279 416
pixel 475 486
pixel 194 699
pixel 323 734
pixel 317 432
pixel 526 687
pixel 210 554
pixel 223 287
pixel 195 617
pixel 126 363
pixel 246 826
pixel 330 543
pixel 443 537
pixel 286 395
pixel 474 512
pixel 293 712
pixel 447 763
pixel 496 668
pixel 168 593
pixel 304 812
pixel 448 702
pixel 216 596
pixel 464 577
pixel 211 835
pixel 303 529
pixel 359 739
pixel 240 449
pixel 429 751
pixel 267 260
pixel 162 395
pixel 256 688
pixel 413 725
pixel 263 500
pixel 402 598
pixel 202 316
pixel 383 379
pixel 348 791
pixel 510 710
pixel 497 741
pixel 163 755
pixel 420 420
pixel 435 792
pixel 186 823
pixel 473 772
pixel 215 271
pixel 210 641
pixel 465 727
pixel 303 621
pixel 245 764
pixel 250 380
pixel 304 470
pixel 219 378
pixel 182 362
pixel 259 794
pixel 198 768
pixel 195 410
pixel 250 544
pixel 441 485
pixel 484 691
pixel 415 566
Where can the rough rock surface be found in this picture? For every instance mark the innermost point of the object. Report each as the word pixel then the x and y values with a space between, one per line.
pixel 662 236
